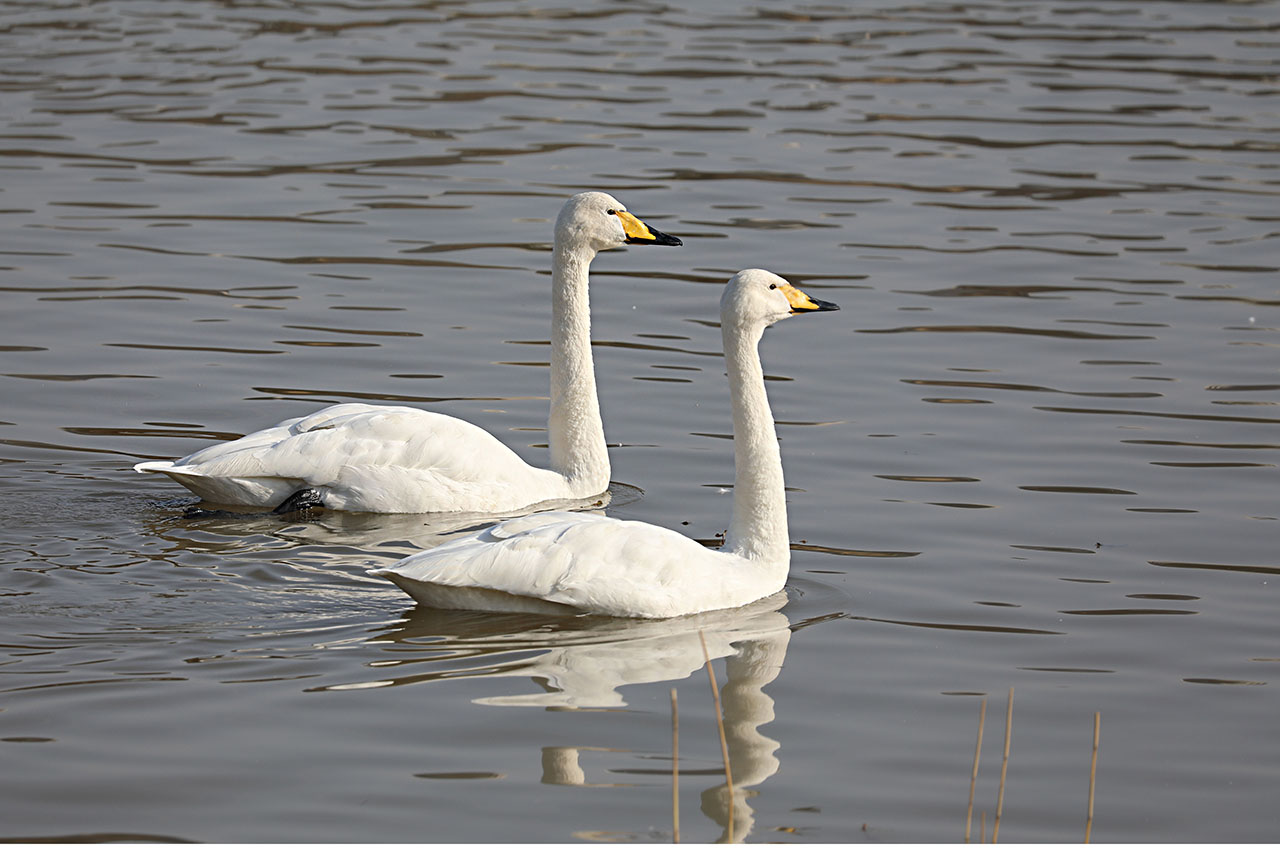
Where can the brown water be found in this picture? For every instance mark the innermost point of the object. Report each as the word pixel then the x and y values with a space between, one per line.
pixel 1037 449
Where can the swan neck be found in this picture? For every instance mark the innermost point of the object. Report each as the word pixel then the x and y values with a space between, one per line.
pixel 758 528
pixel 575 430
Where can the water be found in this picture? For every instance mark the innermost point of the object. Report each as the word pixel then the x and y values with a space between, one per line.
pixel 1037 449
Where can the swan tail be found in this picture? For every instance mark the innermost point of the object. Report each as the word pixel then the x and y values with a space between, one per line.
pixel 230 491
pixel 154 466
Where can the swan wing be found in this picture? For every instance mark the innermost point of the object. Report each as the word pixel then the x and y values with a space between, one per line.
pixel 588 563
pixel 374 458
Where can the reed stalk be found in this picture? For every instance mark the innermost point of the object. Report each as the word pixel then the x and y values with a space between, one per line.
pixel 1004 768
pixel 675 769
pixel 973 780
pixel 724 744
pixel 1093 772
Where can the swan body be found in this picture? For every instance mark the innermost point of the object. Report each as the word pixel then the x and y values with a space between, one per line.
pixel 575 562
pixel 397 459
pixel 370 459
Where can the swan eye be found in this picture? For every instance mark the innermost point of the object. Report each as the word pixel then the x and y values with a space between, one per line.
pixel 611 212
pixel 773 287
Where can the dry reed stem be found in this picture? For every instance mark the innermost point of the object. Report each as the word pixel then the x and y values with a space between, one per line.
pixel 1004 768
pixel 675 769
pixel 724 745
pixel 1093 772
pixel 973 780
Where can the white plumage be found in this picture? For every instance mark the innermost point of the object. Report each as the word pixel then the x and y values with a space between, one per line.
pixel 551 562
pixel 565 561
pixel 369 459
pixel 396 459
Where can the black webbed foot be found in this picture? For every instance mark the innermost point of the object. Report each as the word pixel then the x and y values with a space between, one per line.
pixel 303 500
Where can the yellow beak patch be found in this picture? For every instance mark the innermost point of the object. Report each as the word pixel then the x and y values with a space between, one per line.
pixel 637 232
pixel 799 300
pixel 634 228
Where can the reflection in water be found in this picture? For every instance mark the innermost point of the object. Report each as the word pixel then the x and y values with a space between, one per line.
pixel 375 538
pixel 584 662
pixel 578 661
pixel 560 766
pixel 747 707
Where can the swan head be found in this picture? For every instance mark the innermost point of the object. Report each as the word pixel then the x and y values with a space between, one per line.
pixel 759 298
pixel 600 221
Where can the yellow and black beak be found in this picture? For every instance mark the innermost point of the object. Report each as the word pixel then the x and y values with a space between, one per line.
pixel 638 232
pixel 802 302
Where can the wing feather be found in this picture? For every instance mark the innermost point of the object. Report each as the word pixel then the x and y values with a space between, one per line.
pixel 591 563
pixel 379 458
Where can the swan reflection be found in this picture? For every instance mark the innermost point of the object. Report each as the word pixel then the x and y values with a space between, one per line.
pixel 583 662
pixel 378 539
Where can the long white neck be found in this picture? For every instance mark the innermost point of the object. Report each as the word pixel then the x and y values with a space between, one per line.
pixel 758 528
pixel 576 433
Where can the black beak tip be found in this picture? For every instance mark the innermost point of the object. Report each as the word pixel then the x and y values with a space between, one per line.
pixel 659 239
pixel 822 305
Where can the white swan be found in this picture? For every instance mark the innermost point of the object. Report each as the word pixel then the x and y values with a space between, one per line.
pixel 397 459
pixel 566 561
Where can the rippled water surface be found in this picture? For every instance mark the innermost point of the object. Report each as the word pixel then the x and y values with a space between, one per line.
pixel 1037 449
